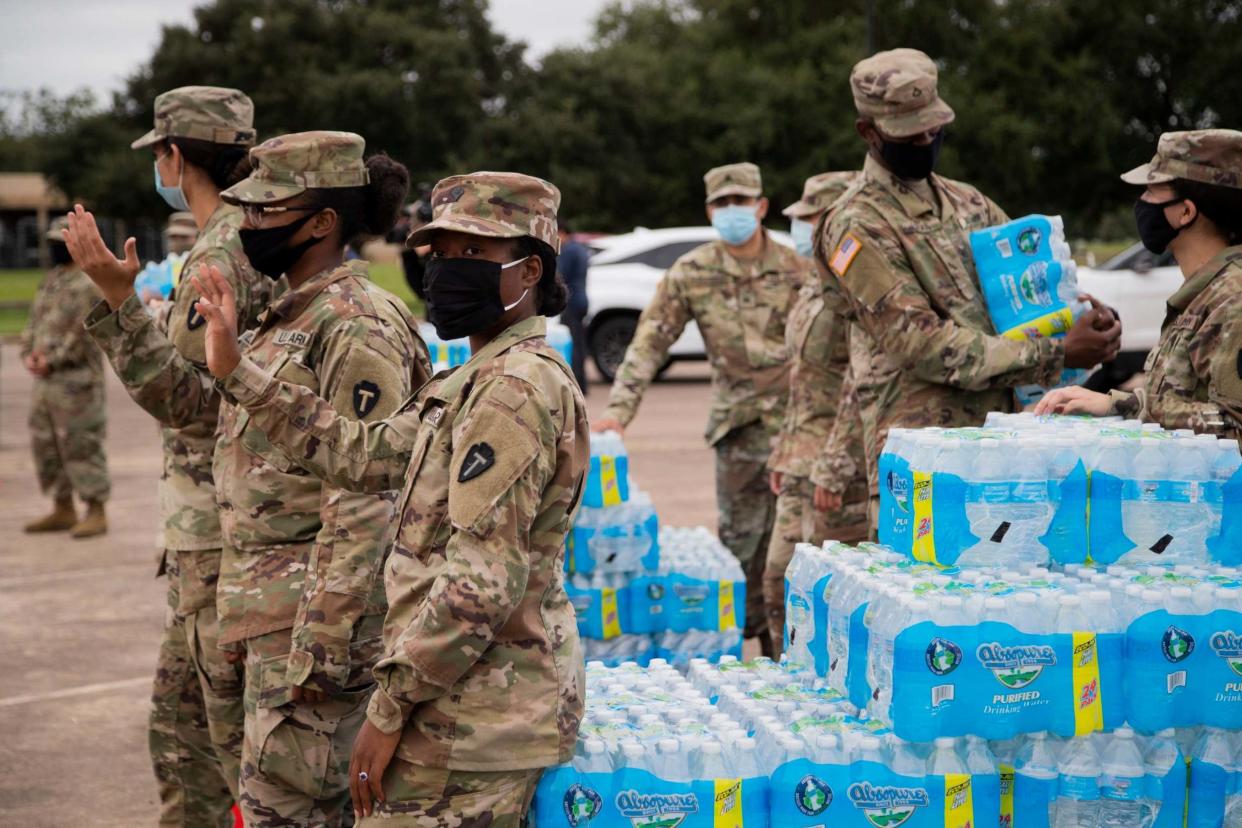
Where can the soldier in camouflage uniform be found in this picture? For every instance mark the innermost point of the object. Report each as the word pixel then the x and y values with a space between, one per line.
pixel 299 592
pixel 180 232
pixel 899 246
pixel 200 135
pixel 740 291
pixel 818 337
pixel 1192 206
pixel 481 682
pixel 68 410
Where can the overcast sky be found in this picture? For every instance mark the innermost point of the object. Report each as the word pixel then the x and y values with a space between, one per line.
pixel 67 44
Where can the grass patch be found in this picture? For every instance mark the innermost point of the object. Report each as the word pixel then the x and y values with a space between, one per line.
pixel 18 287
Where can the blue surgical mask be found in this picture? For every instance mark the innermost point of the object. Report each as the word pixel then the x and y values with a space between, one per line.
pixel 173 195
pixel 801 232
pixel 735 223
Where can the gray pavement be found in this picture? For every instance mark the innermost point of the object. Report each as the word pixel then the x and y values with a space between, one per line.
pixel 80 620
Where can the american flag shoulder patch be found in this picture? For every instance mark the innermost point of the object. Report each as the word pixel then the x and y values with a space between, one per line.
pixel 845 253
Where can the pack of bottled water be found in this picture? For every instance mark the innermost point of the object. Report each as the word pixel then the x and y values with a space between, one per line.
pixel 996 653
pixel 624 538
pixel 449 353
pixel 608 479
pixel 690 604
pixel 1026 490
pixel 1030 285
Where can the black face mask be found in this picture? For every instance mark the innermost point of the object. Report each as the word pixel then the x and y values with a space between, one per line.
pixel 463 295
pixel 59 254
pixel 912 161
pixel 268 248
pixel 1154 229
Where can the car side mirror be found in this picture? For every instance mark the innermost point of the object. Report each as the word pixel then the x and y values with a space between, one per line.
pixel 1144 263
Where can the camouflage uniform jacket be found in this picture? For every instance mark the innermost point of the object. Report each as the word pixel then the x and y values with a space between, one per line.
pixel 66 295
pixel 157 378
pixel 1194 374
pixel 907 270
pixel 482 665
pixel 741 309
pixel 298 553
pixel 818 339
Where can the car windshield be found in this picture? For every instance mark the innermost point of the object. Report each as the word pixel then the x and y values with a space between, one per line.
pixel 1139 258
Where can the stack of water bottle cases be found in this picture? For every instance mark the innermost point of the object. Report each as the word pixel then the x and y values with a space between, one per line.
pixel 449 353
pixel 1000 658
pixel 641 591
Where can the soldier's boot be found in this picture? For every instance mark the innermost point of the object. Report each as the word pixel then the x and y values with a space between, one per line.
pixel 94 523
pixel 62 519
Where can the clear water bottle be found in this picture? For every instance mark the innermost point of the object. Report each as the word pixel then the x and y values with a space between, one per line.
pixel 944 758
pixel 988 505
pixel 1190 514
pixel 1162 756
pixel 592 757
pixel 1145 511
pixel 1122 785
pixel 1078 786
pixel 1225 462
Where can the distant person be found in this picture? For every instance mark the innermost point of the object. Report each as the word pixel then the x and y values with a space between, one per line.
pixel 818 337
pixel 180 233
pixel 68 412
pixel 1192 206
pixel 157 281
pixel 413 259
pixel 740 290
pixel 573 266
pixel 898 246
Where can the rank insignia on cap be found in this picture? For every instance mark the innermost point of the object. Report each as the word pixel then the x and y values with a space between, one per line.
pixel 844 255
pixel 366 397
pixel 479 459
pixel 194 320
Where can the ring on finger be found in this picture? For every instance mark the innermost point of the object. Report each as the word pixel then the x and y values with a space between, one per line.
pixel 363 776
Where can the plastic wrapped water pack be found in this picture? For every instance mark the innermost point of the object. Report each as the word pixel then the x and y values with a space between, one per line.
pixel 1028 490
pixel 1030 285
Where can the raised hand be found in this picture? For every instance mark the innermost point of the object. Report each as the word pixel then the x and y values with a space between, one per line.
pixel 114 277
pixel 218 305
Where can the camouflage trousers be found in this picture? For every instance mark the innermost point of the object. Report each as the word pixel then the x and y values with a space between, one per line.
pixel 295 757
pixel 195 726
pixel 798 521
pixel 746 509
pixel 421 797
pixel 68 419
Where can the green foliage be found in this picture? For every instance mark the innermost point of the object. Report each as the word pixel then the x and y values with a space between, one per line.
pixel 1054 97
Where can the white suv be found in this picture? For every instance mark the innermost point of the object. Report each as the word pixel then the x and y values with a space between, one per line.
pixel 621 280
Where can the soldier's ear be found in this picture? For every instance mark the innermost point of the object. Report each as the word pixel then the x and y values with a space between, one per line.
pixel 867 131
pixel 532 271
pixel 761 209
pixel 325 221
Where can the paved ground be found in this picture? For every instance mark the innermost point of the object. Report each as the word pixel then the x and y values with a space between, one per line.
pixel 80 620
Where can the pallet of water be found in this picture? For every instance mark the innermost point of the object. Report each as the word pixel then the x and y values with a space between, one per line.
pixel 1026 490
pixel 449 353
pixel 999 653
pixel 692 603
pixel 753 744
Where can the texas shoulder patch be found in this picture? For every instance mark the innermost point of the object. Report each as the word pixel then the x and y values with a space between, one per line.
pixel 479 458
pixel 366 396
pixel 194 320
pixel 845 254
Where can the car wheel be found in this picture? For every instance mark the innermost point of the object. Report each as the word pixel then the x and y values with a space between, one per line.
pixel 609 340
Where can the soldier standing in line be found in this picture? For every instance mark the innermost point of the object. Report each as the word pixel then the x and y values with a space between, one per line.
pixel 818 336
pixel 740 291
pixel 481 684
pixel 300 596
pixel 1191 205
pixel 200 141
pixel 899 246
pixel 68 410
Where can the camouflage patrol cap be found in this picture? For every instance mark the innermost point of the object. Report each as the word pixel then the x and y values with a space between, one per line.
pixel 1209 156
pixel 818 193
pixel 56 229
pixel 289 165
pixel 733 179
pixel 502 205
pixel 897 90
pixel 181 223
pixel 207 113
